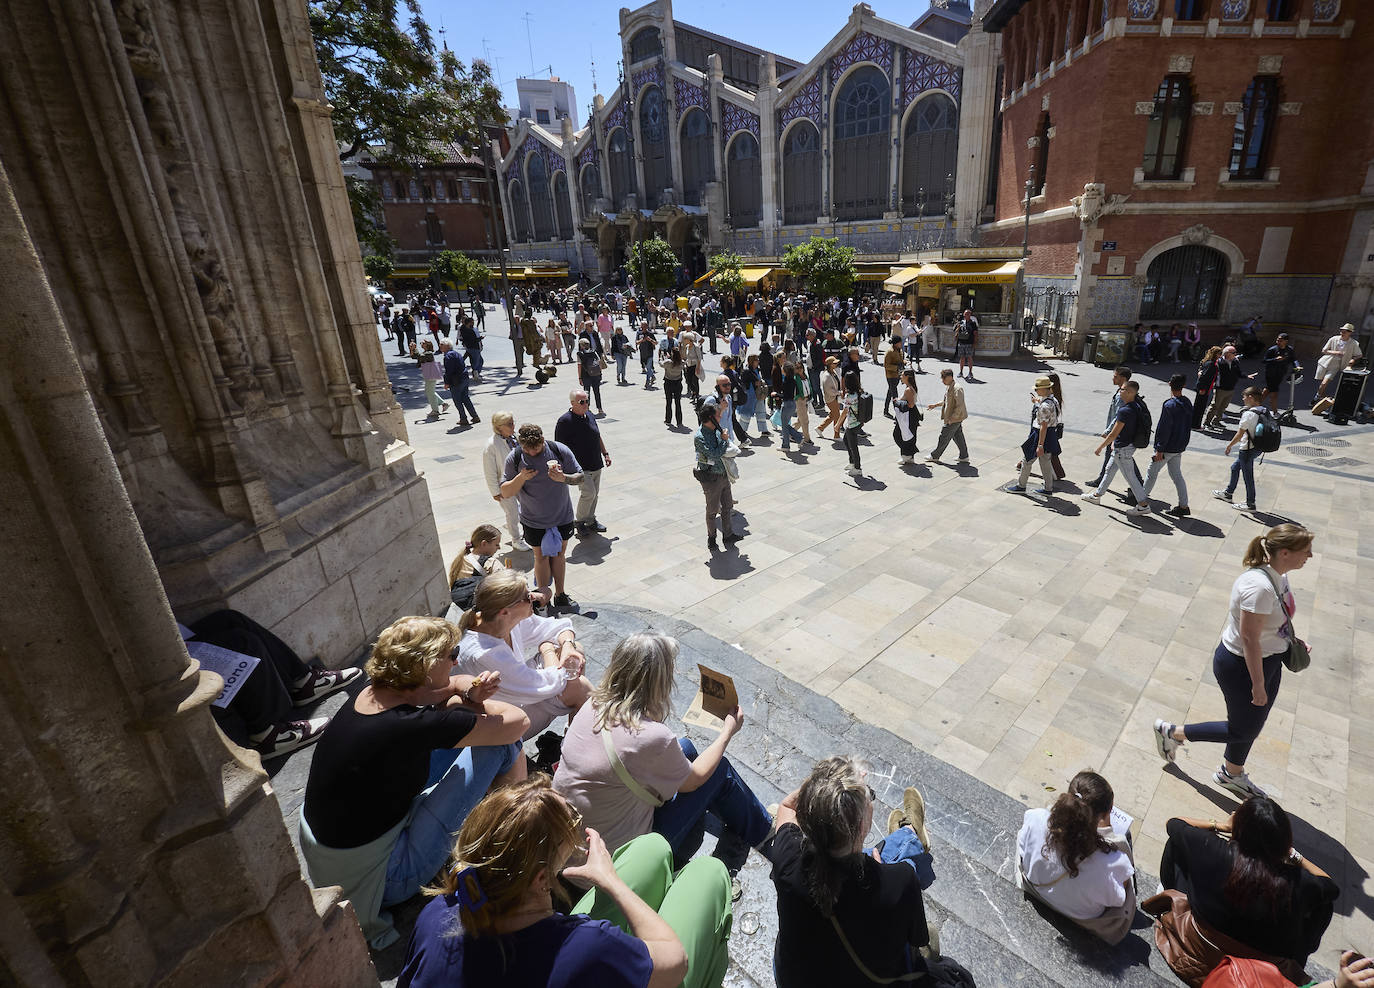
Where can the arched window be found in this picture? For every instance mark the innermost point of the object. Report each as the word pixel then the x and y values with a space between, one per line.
pixel 653 131
pixel 1041 155
pixel 520 211
pixel 1167 132
pixel 645 44
pixel 860 152
pixel 541 197
pixel 1184 283
pixel 930 153
pixel 562 208
pixel 1253 133
pixel 591 189
pixel 744 180
pixel 698 157
pixel 414 189
pixel 400 188
pixel 801 173
pixel 622 177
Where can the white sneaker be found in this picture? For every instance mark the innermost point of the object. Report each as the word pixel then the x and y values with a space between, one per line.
pixel 1143 508
pixel 1241 784
pixel 1094 496
pixel 1164 740
pixel 906 459
pixel 854 471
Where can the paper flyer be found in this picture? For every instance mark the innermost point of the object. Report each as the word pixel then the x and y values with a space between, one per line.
pixel 232 667
pixel 1121 821
pixel 715 698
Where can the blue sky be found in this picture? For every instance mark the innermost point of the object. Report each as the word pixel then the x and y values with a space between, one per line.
pixel 568 35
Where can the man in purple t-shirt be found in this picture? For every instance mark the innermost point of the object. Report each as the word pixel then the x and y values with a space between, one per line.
pixel 537 475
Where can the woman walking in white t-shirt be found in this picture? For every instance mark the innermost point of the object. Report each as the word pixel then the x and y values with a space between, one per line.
pixel 1248 662
pixel 1243 466
pixel 1073 862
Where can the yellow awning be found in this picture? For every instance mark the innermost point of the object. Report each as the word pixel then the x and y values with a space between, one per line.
pixel 898 282
pixel 705 278
pixel 871 275
pixel 979 273
pixel 557 271
pixel 752 276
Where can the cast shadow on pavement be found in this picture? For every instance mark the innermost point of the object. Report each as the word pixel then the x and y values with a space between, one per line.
pixel 729 564
pixel 591 550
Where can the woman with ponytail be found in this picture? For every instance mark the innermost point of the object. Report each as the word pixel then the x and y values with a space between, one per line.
pixel 466 575
pixel 844 917
pixel 1073 862
pixel 539 659
pixel 492 919
pixel 1248 661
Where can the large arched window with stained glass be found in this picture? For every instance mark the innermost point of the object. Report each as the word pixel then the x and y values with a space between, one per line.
pixel 653 131
pixel 622 175
pixel 1184 283
pixel 861 126
pixel 801 173
pixel 745 180
pixel 930 155
pixel 591 189
pixel 698 157
pixel 520 211
pixel 541 197
pixel 562 208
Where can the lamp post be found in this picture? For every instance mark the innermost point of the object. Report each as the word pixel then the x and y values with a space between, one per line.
pixel 500 230
pixel 949 209
pixel 1025 253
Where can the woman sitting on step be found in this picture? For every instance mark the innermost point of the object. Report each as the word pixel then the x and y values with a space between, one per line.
pixel 1073 862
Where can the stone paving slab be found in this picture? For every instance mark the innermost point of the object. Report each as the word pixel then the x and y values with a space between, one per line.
pixel 1019 638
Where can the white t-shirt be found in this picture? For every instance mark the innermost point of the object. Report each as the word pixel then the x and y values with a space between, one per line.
pixel 524 679
pixel 1101 881
pixel 1253 592
pixel 585 778
pixel 1249 419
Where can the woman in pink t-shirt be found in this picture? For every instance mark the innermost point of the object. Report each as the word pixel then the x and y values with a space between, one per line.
pixel 661 783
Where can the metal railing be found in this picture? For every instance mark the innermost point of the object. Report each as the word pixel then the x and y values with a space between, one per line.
pixel 1049 317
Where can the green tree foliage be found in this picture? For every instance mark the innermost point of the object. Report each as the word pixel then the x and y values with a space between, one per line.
pixel 727 266
pixel 389 86
pixel 458 270
pixel 377 267
pixel 823 265
pixel 654 262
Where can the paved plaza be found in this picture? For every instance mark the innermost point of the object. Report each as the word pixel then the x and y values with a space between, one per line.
pixel 1016 638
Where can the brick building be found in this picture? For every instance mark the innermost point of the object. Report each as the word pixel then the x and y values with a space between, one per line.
pixel 445 204
pixel 1194 160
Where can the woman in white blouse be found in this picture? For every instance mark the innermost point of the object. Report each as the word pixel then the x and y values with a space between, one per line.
pixel 1073 862
pixel 539 659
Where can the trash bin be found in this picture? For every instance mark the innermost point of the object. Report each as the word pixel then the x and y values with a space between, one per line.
pixel 1090 348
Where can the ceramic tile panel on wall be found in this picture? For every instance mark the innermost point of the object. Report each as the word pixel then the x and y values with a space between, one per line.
pixel 1116 302
pixel 1297 300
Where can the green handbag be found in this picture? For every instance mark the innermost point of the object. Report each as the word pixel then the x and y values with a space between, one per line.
pixel 1297 658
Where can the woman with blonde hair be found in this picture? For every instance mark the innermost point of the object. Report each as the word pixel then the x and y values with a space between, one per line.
pixel 627 773
pixel 494 455
pixel 375 820
pixel 844 917
pixel 493 921
pixel 538 659
pixel 1073 861
pixel 466 574
pixel 1257 641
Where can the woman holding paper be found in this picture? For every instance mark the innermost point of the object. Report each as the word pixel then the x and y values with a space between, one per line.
pixel 1073 860
pixel 628 773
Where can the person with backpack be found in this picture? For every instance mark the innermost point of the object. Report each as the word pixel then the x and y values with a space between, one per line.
pixel 1130 432
pixel 1120 376
pixel 1253 418
pixel 1043 441
pixel 1171 439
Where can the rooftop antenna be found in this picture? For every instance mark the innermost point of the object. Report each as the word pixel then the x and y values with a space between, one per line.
pixel 443 38
pixel 592 54
pixel 528 40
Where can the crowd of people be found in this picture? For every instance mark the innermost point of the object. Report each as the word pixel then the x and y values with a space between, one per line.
pixel 582 866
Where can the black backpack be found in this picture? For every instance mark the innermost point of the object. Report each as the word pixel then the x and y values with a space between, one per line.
pixel 1268 435
pixel 1143 425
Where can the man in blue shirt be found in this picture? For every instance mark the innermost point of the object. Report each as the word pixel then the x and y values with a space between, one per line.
pixel 1121 439
pixel 1119 377
pixel 1171 439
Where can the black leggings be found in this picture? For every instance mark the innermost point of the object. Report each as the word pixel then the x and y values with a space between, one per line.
pixel 672 400
pixel 693 382
pixel 851 444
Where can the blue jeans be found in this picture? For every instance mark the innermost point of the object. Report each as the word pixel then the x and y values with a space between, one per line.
pixel 682 820
pixel 621 360
pixel 462 400
pixel 647 366
pixel 1123 459
pixel 1174 461
pixel 789 433
pixel 475 362
pixel 438 813
pixel 1244 466
pixel 1244 720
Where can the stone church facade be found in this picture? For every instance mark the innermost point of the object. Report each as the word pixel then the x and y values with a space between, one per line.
pixel 196 415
